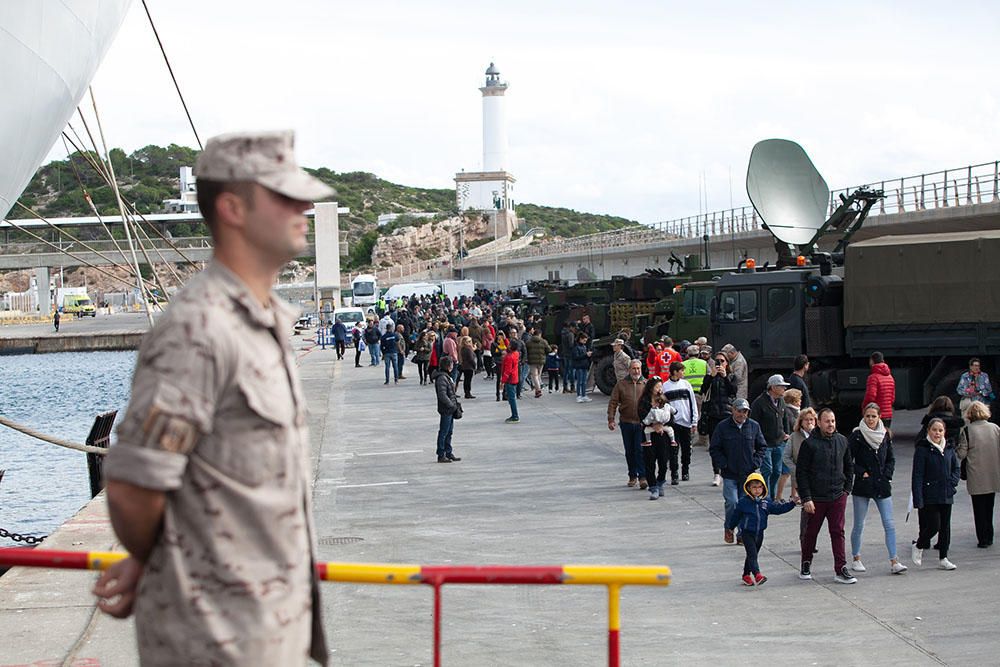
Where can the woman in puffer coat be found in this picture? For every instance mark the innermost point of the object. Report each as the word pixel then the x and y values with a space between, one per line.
pixel 874 464
pixel 933 482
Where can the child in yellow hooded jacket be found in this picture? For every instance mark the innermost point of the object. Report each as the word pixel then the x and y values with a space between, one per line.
pixel 751 515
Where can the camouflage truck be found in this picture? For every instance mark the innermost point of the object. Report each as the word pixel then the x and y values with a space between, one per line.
pixel 632 308
pixel 683 315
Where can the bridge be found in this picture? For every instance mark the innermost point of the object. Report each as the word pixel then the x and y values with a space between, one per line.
pixel 962 199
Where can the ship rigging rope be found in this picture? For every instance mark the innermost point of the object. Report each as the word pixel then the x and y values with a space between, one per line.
pixel 86 196
pixel 171 70
pixel 140 283
pixel 27 430
pixel 131 205
pixel 78 258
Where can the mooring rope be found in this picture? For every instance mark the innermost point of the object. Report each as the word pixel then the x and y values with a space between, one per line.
pixel 27 430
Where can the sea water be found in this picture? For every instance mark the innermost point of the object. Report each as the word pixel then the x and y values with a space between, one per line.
pixel 58 395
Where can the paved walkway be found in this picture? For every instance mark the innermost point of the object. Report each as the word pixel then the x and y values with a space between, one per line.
pixel 551 490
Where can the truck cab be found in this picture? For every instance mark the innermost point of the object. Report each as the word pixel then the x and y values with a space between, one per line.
pixel 762 314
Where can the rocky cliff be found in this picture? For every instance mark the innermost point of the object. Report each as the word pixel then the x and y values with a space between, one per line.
pixel 432 240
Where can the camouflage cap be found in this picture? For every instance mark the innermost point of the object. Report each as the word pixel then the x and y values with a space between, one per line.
pixel 267 158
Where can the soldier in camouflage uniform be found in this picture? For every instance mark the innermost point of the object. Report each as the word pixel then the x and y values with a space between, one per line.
pixel 209 483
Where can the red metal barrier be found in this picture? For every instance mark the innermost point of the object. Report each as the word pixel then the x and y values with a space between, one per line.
pixel 612 576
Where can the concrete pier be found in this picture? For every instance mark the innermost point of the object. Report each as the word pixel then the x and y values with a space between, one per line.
pixel 112 341
pixel 549 490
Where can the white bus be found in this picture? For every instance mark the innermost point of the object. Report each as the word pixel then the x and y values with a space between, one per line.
pixel 365 290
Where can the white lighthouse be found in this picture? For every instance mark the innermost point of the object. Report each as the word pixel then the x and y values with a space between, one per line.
pixel 492 188
pixel 494 121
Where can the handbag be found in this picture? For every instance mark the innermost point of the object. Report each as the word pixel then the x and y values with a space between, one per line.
pixel 458 411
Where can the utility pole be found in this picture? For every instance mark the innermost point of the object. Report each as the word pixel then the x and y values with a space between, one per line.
pixel 496 241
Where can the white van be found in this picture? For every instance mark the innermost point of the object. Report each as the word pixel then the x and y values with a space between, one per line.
pixel 350 317
pixel 406 290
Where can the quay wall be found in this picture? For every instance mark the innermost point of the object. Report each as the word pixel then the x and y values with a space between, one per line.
pixel 108 341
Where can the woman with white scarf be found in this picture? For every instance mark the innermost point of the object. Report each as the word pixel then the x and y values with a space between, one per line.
pixel 871 448
pixel 933 483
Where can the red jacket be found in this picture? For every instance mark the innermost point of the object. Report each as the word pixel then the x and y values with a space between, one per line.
pixel 509 370
pixel 652 361
pixel 881 390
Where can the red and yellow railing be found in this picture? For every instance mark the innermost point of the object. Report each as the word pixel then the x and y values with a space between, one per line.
pixel 612 576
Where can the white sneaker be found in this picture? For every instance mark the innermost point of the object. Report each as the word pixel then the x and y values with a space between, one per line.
pixel 898 568
pixel 916 555
pixel 587 399
pixel 717 480
pixel 845 577
pixel 946 564
pixel 579 399
pixel 858 566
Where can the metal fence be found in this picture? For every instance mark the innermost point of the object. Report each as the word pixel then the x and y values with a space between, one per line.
pixel 973 184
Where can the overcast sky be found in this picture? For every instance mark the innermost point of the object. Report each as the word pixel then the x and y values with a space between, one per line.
pixel 613 107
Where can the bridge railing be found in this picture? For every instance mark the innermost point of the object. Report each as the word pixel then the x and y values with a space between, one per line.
pixel 973 184
pixel 103 245
pixel 613 577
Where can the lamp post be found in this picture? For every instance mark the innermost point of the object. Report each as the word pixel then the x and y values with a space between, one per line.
pixel 496 239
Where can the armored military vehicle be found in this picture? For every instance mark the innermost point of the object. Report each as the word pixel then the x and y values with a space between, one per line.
pixel 927 302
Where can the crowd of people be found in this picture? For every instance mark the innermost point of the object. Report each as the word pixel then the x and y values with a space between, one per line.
pixel 769 453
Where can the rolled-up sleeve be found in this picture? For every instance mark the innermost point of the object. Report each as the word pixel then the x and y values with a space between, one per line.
pixel 171 407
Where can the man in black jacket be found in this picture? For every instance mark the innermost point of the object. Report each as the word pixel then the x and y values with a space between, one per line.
pixel 447 406
pixel 736 448
pixel 824 473
pixel 768 410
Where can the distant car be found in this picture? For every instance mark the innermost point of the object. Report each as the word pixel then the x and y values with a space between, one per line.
pixel 305 322
pixel 350 317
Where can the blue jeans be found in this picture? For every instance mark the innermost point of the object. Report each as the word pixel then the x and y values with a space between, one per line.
pixel 510 390
pixel 373 350
pixel 390 362
pixel 884 506
pixel 400 359
pixel 445 429
pixel 580 378
pixel 731 492
pixel 632 437
pixel 770 468
pixel 568 375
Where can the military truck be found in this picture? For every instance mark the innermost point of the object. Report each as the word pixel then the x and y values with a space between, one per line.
pixel 928 302
pixel 637 309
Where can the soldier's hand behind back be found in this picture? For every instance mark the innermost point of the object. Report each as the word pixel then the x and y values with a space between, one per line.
pixel 117 587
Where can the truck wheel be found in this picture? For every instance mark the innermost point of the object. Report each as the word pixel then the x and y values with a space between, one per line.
pixel 605 377
pixel 948 386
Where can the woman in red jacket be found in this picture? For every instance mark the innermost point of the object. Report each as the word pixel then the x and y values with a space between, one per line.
pixel 880 388
pixel 510 379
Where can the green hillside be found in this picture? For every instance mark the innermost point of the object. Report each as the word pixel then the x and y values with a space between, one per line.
pixel 150 174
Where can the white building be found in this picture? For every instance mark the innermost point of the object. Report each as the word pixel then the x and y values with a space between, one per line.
pixel 188 200
pixel 491 189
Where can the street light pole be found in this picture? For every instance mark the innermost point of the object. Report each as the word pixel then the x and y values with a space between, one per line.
pixel 496 241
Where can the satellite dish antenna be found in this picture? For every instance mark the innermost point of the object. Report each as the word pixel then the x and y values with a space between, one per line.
pixel 787 191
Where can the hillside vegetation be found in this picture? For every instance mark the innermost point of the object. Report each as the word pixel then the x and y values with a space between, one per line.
pixel 150 174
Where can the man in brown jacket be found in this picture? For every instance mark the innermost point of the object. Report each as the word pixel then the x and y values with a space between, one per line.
pixel 625 401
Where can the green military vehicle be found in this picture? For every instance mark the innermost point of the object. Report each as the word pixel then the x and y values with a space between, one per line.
pixel 637 309
pixel 926 301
